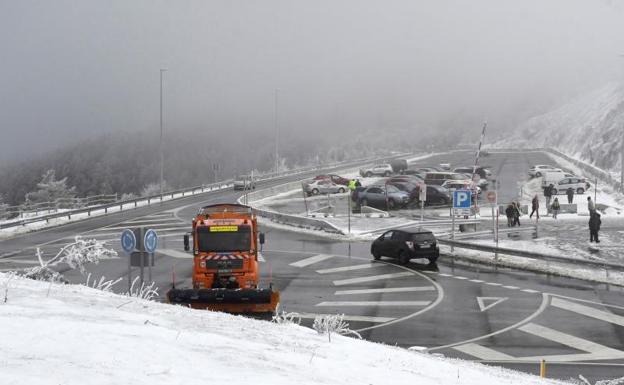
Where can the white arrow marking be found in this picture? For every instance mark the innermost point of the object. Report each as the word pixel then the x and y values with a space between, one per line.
pixel 497 300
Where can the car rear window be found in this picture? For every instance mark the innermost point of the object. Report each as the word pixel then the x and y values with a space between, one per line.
pixel 422 237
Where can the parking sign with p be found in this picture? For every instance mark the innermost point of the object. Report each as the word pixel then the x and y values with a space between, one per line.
pixel 462 199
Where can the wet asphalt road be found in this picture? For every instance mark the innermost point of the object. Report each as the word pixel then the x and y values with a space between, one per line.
pixel 510 318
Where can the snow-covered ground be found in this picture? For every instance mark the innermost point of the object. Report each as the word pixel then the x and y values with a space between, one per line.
pixel 69 334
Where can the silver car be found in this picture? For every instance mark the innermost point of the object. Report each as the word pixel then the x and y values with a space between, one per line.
pixel 323 186
pixel 382 196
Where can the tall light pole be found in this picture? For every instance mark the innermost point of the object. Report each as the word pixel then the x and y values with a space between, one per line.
pixel 162 156
pixel 275 117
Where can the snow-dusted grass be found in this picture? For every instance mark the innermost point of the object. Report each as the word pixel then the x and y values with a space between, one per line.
pixel 70 334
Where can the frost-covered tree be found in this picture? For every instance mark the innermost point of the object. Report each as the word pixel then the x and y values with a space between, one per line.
pixel 152 189
pixel 3 208
pixel 51 190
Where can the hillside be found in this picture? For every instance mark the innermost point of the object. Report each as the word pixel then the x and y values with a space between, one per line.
pixel 590 127
pixel 72 334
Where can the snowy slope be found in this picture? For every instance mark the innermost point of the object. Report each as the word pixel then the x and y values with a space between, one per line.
pixel 588 128
pixel 67 334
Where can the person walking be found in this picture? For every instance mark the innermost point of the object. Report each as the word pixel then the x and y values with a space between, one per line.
pixel 594 226
pixel 591 206
pixel 555 208
pixel 548 195
pixel 534 207
pixel 570 194
pixel 509 212
pixel 516 214
pixel 352 185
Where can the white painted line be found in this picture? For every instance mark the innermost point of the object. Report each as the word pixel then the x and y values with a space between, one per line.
pixel 460 277
pixel 587 311
pixel 445 275
pixel 430 272
pixel 496 301
pixel 349 268
pixel 19 261
pixel 596 351
pixel 476 281
pixel 372 278
pixel 494 284
pixel 530 291
pixel 178 225
pixel 261 257
pixel 311 260
pixel 483 353
pixel 374 303
pixel 175 253
pixel 511 287
pixel 350 317
pixel 170 218
pixel 387 290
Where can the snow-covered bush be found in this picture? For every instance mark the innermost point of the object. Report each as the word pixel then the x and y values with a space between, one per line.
pixel 282 317
pixel 76 254
pixel 102 283
pixel 143 291
pixel 584 381
pixel 4 286
pixel 152 189
pixel 332 323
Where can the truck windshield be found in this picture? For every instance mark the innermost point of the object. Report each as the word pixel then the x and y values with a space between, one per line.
pixel 224 238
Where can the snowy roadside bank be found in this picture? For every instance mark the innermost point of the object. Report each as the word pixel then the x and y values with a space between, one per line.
pixel 130 341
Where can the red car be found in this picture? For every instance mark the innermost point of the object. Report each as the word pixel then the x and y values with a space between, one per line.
pixel 334 178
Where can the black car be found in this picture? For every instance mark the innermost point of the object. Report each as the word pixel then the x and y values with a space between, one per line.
pixel 437 195
pixel 406 244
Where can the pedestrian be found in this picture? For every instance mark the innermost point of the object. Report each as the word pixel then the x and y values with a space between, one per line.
pixel 509 211
pixel 357 183
pixel 555 208
pixel 594 226
pixel 548 195
pixel 570 194
pixel 516 214
pixel 352 185
pixel 591 206
pixel 535 207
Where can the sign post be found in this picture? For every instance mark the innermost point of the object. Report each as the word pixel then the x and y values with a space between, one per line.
pixel 128 244
pixel 150 243
pixel 140 246
pixel 462 200
pixel 422 197
pixel 492 200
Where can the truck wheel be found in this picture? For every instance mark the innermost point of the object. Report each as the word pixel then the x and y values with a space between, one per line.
pixel 432 260
pixel 376 255
pixel 341 190
pixel 403 258
pixel 368 174
pixel 315 191
pixel 580 190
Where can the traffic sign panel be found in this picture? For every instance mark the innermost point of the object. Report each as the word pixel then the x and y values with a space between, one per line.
pixel 128 240
pixel 462 199
pixel 150 241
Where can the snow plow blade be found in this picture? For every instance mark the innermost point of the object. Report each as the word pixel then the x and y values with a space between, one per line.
pixel 260 303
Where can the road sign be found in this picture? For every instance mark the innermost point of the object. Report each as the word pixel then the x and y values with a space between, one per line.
pixel 462 199
pixel 150 241
pixel 462 212
pixel 128 241
pixel 491 197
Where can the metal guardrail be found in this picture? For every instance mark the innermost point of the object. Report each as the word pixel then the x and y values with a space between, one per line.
pixel 529 254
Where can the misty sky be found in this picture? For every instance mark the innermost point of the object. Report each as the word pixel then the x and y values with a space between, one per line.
pixel 72 69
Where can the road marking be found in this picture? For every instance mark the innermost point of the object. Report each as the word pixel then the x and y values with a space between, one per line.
pixel 476 281
pixel 261 257
pixel 358 318
pixel 483 353
pixel 170 218
pixel 511 287
pixel 494 284
pixel 497 300
pixel 374 303
pixel 178 225
pixel 460 277
pixel 372 278
pixel 107 234
pixel 596 351
pixel 20 261
pixel 445 275
pixel 530 291
pixel 349 268
pixel 387 290
pixel 311 260
pixel 587 311
pixel 175 253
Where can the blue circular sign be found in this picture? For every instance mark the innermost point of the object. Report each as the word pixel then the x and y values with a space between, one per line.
pixel 128 241
pixel 150 241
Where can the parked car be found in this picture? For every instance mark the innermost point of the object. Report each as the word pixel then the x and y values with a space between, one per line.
pixel 483 171
pixel 538 170
pixel 460 185
pixel 406 244
pixel 334 178
pixel 411 178
pixel 482 183
pixel 398 165
pixel 408 186
pixel 379 169
pixel 244 183
pixel 552 177
pixel 445 166
pixel 323 186
pixel 580 185
pixel 437 195
pixel 418 173
pixel 376 195
pixel 437 178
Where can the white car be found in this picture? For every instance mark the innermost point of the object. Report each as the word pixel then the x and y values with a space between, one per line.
pixel 539 170
pixel 379 169
pixel 244 183
pixel 460 185
pixel 579 185
pixel 323 186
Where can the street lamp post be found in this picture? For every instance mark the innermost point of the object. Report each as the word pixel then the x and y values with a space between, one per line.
pixel 275 117
pixel 162 156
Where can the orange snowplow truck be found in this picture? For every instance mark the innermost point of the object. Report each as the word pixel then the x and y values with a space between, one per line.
pixel 225 244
